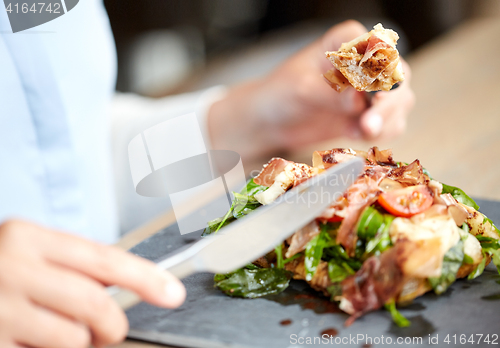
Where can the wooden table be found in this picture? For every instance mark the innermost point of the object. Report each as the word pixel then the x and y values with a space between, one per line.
pixel 454 129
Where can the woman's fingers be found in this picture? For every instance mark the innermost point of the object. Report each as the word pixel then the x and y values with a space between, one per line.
pixel 386 118
pixel 110 265
pixel 38 327
pixel 51 292
pixel 76 297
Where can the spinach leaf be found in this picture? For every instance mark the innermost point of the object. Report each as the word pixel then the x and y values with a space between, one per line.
pixel 334 290
pixel 397 317
pixel 253 283
pixel 495 257
pixel 488 242
pixel 370 222
pixel 490 246
pixel 338 253
pixel 468 260
pixel 291 258
pixel 213 225
pixel 243 204
pixel 460 196
pixel 252 188
pixel 486 219
pixel 373 229
pixel 314 252
pixel 479 269
pixel 279 256
pixel 451 263
pixel 338 271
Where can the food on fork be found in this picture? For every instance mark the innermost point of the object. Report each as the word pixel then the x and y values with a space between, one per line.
pixel 395 234
pixel 370 62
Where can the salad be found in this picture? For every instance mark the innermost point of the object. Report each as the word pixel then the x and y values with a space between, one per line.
pixel 395 234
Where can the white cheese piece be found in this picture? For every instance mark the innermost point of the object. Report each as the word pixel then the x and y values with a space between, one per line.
pixel 440 232
pixel 472 247
pixel 280 185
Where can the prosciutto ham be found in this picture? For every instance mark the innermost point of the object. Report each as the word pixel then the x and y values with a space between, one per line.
pixel 300 238
pixel 373 45
pixel 319 282
pixel 380 279
pixel 376 156
pixel 361 194
pixel 329 158
pixel 411 174
pixel 270 171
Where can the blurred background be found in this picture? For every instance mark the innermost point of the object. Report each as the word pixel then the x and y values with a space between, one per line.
pixel 169 47
pixel 172 46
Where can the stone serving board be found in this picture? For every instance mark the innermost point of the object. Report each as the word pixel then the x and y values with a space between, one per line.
pixel 208 318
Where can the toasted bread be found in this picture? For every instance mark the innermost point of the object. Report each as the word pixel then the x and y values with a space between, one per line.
pixel 371 61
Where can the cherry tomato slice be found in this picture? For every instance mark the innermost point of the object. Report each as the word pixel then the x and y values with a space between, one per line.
pixel 407 201
pixel 335 218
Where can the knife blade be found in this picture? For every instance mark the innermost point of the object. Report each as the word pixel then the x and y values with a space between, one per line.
pixel 252 236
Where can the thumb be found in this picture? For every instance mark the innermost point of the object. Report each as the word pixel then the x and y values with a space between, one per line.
pixel 335 36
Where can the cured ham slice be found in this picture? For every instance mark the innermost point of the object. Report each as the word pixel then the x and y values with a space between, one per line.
pixel 270 171
pixel 380 279
pixel 303 236
pixel 361 194
pixel 412 174
pixel 291 175
pixel 326 159
pixel 380 157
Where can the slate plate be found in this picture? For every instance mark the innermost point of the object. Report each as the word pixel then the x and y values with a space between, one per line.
pixel 210 319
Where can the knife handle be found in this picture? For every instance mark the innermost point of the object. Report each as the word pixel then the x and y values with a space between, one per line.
pixel 125 298
pixel 180 265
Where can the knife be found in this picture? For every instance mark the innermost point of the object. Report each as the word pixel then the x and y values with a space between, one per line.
pixel 252 236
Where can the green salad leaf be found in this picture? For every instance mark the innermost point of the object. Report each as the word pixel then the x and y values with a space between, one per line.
pixel 314 252
pixel 338 271
pixel 251 189
pixel 253 282
pixel 243 203
pixel 373 230
pixel 479 269
pixel 334 290
pixel 468 260
pixel 291 258
pixel 460 196
pixel 451 263
pixel 486 219
pixel 339 255
pixel 491 247
pixel 488 242
pixel 397 317
pixel 216 224
pixel 279 256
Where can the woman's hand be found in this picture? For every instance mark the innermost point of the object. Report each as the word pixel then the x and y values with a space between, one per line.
pixel 294 106
pixel 52 288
